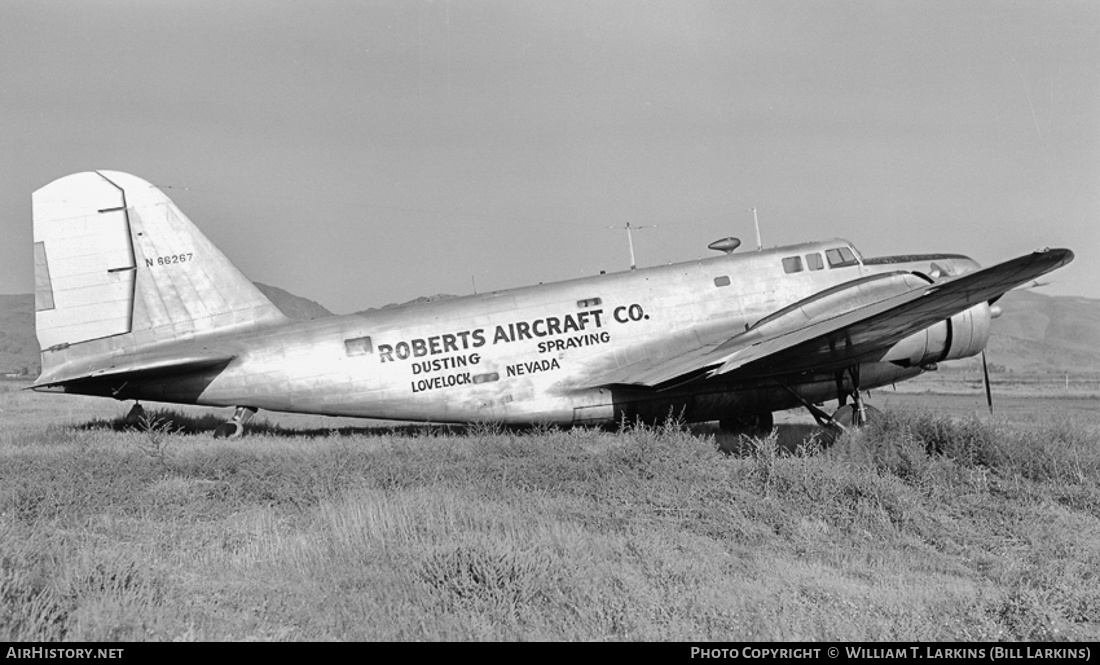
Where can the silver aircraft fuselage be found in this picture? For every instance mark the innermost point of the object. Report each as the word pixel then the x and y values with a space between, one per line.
pixel 523 355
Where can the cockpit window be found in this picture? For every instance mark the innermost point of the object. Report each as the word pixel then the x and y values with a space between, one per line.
pixel 840 257
pixel 814 262
pixel 792 264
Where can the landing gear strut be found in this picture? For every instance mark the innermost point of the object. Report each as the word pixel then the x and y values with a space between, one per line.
pixel 847 415
pixel 857 414
pixel 234 427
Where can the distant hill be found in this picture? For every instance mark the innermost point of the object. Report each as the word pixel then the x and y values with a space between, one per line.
pixel 293 306
pixel 1036 332
pixel 1039 333
pixel 18 345
pixel 418 301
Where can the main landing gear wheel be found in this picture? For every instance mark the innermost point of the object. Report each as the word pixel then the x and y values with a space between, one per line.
pixel 134 417
pixel 857 414
pixel 847 415
pixel 229 430
pixel 234 427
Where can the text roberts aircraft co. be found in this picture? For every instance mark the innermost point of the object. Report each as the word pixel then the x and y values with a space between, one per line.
pixel 133 302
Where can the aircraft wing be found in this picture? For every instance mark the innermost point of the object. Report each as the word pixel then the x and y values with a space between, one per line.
pixel 862 334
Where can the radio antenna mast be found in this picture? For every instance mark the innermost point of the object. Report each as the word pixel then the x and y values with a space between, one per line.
pixel 630 239
pixel 756 223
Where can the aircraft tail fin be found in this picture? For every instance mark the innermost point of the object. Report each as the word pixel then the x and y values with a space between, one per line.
pixel 118 267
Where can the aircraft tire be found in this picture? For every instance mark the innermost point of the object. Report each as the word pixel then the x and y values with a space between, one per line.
pixel 229 430
pixel 134 416
pixel 846 415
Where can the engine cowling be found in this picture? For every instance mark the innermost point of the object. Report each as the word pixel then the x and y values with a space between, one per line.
pixel 961 336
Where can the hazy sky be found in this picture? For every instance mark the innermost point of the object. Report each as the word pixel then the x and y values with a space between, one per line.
pixel 361 153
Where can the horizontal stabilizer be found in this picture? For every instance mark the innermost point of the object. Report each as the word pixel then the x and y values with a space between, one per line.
pixel 130 368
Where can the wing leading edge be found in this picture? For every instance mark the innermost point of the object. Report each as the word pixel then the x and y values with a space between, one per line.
pixel 862 334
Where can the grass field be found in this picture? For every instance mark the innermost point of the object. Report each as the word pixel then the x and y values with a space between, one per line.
pixel 939 523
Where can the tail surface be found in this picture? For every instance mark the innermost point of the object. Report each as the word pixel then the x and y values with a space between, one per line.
pixel 119 268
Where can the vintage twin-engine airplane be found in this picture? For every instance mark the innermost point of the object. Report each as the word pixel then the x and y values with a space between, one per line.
pixel 133 302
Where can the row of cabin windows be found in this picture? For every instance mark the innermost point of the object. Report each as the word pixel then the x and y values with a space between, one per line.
pixel 838 257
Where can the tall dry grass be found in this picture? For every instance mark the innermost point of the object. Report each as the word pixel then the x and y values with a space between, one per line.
pixel 919 528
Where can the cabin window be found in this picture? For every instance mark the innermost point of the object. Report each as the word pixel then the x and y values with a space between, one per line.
pixel 358 346
pixel 840 257
pixel 722 281
pixel 589 302
pixel 792 264
pixel 814 262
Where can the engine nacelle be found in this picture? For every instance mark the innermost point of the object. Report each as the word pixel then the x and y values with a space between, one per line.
pixel 961 336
